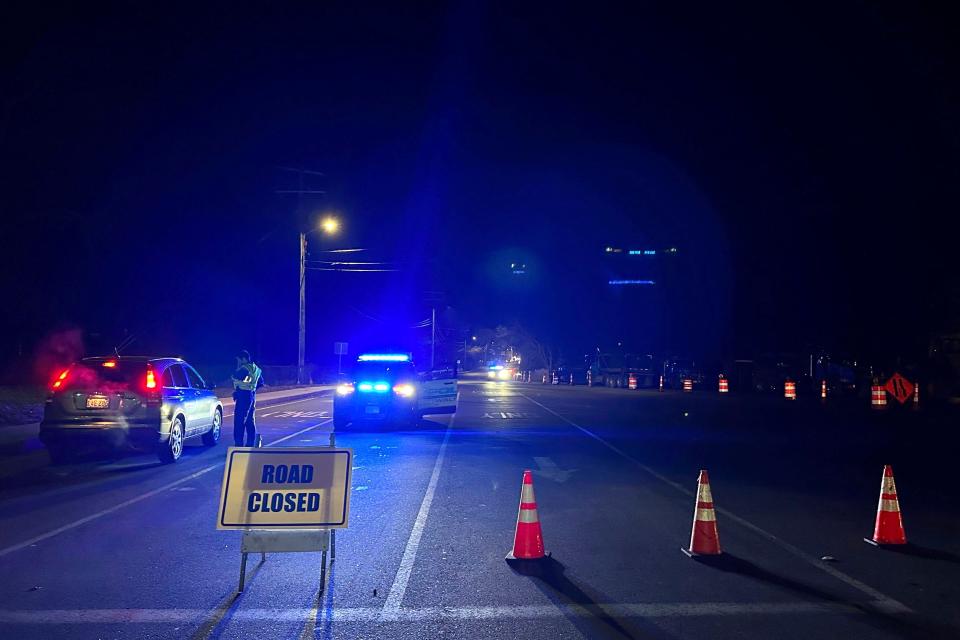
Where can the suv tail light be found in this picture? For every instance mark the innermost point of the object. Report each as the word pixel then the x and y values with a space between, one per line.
pixel 151 386
pixel 151 380
pixel 58 382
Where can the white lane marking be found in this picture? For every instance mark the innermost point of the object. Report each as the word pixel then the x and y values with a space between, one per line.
pixel 320 396
pixel 371 614
pixel 135 499
pixel 887 603
pixel 109 510
pixel 399 587
pixel 296 433
pixel 98 481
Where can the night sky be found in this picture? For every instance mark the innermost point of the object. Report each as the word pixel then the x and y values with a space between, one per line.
pixel 804 160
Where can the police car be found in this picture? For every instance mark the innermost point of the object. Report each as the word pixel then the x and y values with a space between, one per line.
pixel 386 387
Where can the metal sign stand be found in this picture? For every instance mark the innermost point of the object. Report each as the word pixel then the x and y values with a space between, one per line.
pixel 292 541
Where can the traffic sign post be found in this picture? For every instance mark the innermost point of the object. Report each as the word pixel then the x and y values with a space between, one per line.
pixel 900 388
pixel 340 350
pixel 286 500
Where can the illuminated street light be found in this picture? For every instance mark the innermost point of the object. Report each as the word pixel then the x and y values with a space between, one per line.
pixel 330 225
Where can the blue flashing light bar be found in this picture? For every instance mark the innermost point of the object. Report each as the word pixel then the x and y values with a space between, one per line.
pixel 629 282
pixel 378 387
pixel 383 357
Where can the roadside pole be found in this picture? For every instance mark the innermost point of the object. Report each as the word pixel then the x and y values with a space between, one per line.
pixel 302 335
pixel 433 338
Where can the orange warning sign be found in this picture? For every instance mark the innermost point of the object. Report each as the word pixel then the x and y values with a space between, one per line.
pixel 899 387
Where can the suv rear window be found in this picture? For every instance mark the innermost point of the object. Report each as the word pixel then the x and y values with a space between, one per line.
pixel 106 375
pixel 179 378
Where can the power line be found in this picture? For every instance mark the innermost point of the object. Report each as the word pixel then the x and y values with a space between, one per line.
pixel 334 263
pixel 350 270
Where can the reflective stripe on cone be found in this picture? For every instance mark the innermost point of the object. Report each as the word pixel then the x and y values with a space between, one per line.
pixel 704 539
pixel 528 539
pixel 889 526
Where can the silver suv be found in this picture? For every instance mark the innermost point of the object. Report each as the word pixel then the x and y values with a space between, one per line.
pixel 130 401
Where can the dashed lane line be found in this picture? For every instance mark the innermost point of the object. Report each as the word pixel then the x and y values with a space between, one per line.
pixel 880 600
pixel 425 614
pixel 143 496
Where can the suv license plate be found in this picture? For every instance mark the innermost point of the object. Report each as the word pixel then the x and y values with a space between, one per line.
pixel 98 402
pixel 373 409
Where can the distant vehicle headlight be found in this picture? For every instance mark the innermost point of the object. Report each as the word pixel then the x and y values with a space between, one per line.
pixel 492 375
pixel 344 389
pixel 404 390
pixel 505 374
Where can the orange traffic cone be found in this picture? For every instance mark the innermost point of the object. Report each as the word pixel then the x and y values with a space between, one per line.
pixel 889 527
pixel 528 540
pixel 704 540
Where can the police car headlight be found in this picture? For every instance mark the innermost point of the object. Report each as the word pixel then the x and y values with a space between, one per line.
pixel 404 390
pixel 344 389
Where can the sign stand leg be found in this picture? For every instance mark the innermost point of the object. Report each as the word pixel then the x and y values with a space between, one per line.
pixel 323 572
pixel 333 532
pixel 243 571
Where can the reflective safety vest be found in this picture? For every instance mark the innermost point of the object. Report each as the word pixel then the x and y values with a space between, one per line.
pixel 249 382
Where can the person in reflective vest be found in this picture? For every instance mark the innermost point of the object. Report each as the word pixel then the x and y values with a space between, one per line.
pixel 246 380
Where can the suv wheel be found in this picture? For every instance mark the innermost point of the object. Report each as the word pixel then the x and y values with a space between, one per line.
pixel 212 437
pixel 172 449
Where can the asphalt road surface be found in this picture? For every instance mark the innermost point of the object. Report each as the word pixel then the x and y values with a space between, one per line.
pixel 127 548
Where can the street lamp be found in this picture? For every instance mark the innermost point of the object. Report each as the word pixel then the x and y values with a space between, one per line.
pixel 329 225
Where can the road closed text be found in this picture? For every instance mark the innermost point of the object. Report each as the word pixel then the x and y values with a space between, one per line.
pixel 289 501
pixel 267 501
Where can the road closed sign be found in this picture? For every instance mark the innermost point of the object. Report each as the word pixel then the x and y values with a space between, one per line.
pixel 293 487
